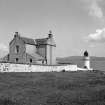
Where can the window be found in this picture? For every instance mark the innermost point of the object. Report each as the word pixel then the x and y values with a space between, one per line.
pixel 30 60
pixel 85 67
pixel 17 49
pixel 17 59
pixel 8 57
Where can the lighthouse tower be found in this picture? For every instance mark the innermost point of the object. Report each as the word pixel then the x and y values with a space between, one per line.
pixel 86 60
pixel 51 56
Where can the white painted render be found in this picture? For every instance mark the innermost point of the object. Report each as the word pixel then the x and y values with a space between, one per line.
pixel 87 62
pixel 8 67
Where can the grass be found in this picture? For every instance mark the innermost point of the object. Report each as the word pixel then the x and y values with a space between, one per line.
pixel 53 88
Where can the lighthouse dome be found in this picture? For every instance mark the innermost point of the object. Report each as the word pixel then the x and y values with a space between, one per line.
pixel 86 54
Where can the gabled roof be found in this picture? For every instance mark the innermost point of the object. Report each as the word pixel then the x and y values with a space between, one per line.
pixel 28 40
pixel 41 41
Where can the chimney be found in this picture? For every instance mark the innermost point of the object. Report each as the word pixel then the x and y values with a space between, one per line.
pixel 50 34
pixel 16 34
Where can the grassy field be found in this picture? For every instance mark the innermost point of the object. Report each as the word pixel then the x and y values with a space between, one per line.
pixel 64 88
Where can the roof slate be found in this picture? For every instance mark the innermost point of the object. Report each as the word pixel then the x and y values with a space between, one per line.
pixel 29 41
pixel 34 41
pixel 41 41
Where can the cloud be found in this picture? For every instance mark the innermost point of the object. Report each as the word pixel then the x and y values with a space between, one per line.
pixel 3 50
pixel 94 8
pixel 3 47
pixel 98 36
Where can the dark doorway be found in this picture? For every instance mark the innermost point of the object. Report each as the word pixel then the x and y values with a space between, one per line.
pixel 30 60
pixel 17 59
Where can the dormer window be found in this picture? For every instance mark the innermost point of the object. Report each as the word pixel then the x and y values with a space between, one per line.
pixel 17 48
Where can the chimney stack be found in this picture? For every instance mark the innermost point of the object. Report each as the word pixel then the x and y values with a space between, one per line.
pixel 16 34
pixel 50 34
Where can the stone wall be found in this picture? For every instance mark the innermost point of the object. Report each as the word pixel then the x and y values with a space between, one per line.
pixel 13 54
pixel 8 67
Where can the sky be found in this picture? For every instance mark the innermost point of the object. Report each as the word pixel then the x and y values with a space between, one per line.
pixel 77 25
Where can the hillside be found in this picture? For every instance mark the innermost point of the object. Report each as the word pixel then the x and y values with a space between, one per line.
pixel 97 63
pixel 63 88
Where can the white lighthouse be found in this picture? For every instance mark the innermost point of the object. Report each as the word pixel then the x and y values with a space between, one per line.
pixel 86 60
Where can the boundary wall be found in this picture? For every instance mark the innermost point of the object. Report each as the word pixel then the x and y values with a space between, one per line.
pixel 11 67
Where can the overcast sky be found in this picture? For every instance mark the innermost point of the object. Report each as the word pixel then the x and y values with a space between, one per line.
pixel 77 25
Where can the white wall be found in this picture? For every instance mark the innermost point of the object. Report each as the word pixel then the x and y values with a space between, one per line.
pixel 7 67
pixel 87 62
